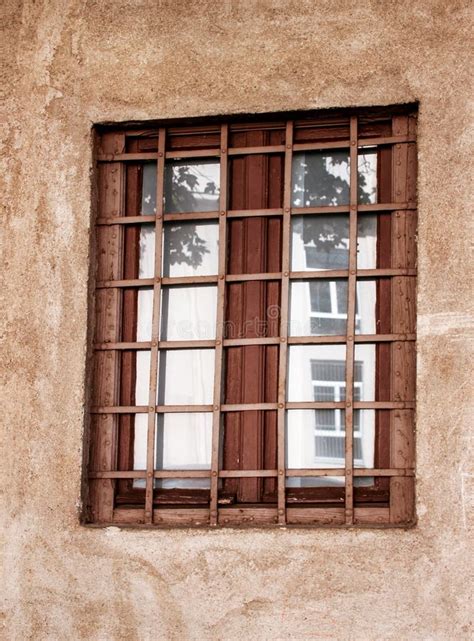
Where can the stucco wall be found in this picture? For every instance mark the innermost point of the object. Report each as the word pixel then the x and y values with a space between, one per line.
pixel 71 63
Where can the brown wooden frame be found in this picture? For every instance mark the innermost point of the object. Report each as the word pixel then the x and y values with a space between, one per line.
pixel 112 497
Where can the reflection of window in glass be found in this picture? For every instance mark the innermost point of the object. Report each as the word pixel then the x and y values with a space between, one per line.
pixel 328 307
pixel 329 385
pixel 192 186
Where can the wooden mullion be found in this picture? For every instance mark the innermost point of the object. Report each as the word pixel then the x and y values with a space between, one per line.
pixel 283 353
pixel 351 301
pixel 216 417
pixel 154 355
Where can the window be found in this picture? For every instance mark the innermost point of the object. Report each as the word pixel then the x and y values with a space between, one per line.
pixel 254 337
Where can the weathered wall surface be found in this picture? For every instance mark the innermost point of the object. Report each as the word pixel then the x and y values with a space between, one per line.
pixel 71 63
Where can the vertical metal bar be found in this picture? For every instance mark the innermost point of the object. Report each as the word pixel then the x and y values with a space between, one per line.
pixel 351 304
pixel 282 366
pixel 150 452
pixel 216 417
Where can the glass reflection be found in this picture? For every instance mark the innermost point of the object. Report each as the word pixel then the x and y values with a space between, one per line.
pixel 142 377
pixel 367 176
pixel 364 372
pixel 364 438
pixel 148 206
pixel 144 313
pixel 366 241
pixel 139 446
pixel 320 242
pixel 190 249
pixel 192 186
pixel 188 313
pixel 320 178
pixel 366 300
pixel 186 377
pixel 315 371
pixel 318 307
pixel 146 261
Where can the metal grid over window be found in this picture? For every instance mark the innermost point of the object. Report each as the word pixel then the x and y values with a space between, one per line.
pixel 196 180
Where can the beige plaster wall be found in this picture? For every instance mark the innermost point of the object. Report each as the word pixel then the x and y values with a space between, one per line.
pixel 71 63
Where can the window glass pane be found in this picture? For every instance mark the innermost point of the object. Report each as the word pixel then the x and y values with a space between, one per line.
pixel 146 262
pixel 365 370
pixel 188 313
pixel 192 186
pixel 366 307
pixel 318 307
pixel 139 445
pixel 367 176
pixel 320 178
pixel 366 241
pixel 148 207
pixel 142 377
pixel 186 377
pixel 184 442
pixel 190 249
pixel 320 242
pixel 144 313
pixel 364 438
pixel 315 365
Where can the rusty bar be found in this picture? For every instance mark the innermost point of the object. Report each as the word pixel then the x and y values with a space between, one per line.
pixel 216 417
pixel 351 302
pixel 283 352
pixel 150 455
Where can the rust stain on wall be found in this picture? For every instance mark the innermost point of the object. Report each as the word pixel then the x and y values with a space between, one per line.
pixel 71 64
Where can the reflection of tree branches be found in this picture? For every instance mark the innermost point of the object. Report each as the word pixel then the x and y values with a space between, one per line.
pixel 183 245
pixel 183 242
pixel 314 185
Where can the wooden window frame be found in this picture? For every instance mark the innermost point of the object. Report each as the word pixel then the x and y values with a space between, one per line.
pixel 120 150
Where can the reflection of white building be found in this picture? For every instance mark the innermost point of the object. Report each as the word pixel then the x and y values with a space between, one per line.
pixel 315 438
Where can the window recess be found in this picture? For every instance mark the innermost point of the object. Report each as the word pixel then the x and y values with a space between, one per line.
pixel 254 337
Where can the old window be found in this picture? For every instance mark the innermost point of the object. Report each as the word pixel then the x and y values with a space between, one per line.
pixel 254 342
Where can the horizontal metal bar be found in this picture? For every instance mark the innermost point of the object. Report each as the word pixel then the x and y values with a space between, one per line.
pixel 130 282
pixel 337 471
pixel 341 144
pixel 340 471
pixel 236 278
pixel 305 472
pixel 100 347
pixel 158 474
pixel 374 208
pixel 242 407
pixel 241 342
pixel 358 405
pixel 191 344
pixel 384 472
pixel 119 409
pixel 183 409
pixel 193 153
pixel 362 338
pixel 251 213
pixel 235 474
pixel 191 215
pixel 130 157
pixel 344 273
pixel 189 280
pixel 239 407
pixel 182 474
pixel 125 220
pixel 264 149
